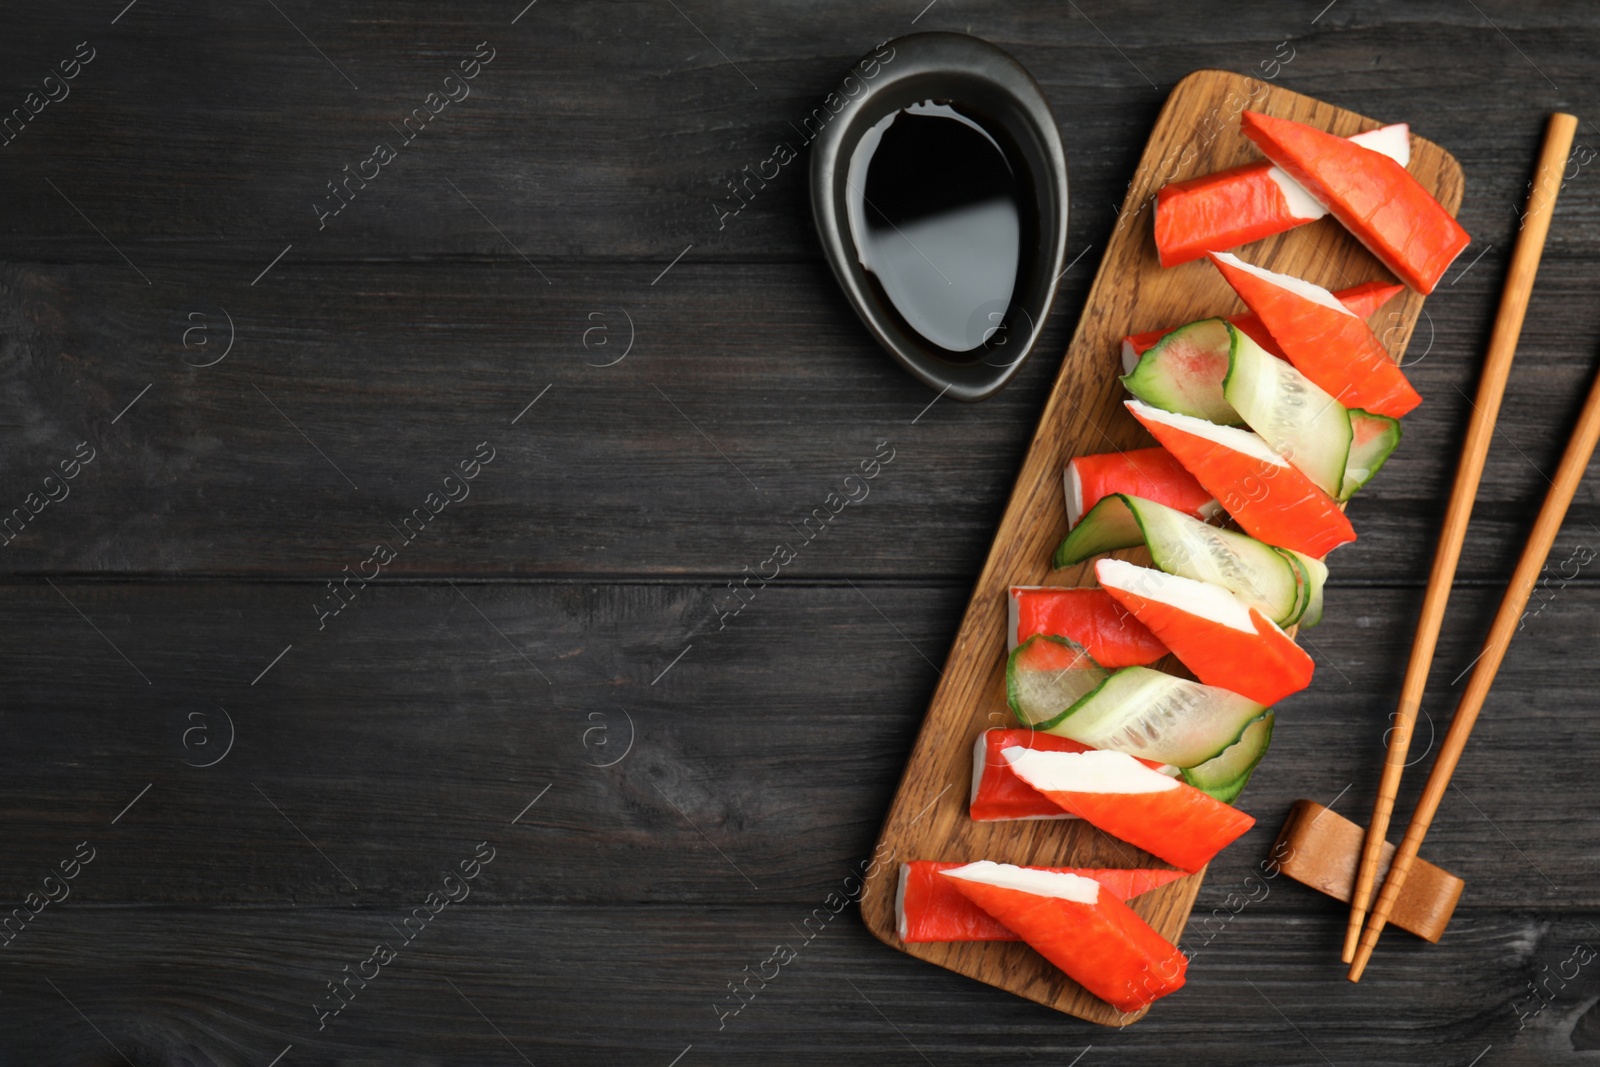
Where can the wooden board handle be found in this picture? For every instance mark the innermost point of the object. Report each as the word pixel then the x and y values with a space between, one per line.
pixel 1485 409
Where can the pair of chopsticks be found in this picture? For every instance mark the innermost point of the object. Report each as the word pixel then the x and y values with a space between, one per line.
pixel 1497 367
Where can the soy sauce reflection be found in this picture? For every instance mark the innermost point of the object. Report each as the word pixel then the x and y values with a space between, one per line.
pixel 934 211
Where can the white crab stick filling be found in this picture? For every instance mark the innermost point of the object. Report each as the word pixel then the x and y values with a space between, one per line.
pixel 1392 141
pixel 1299 286
pixel 1130 358
pixel 981 767
pixel 1301 204
pixel 1230 437
pixel 1074 490
pixel 1073 887
pixel 980 754
pixel 1097 771
pixel 1188 595
pixel 1013 617
pixel 902 927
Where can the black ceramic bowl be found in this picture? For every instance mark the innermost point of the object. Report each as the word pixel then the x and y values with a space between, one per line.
pixel 986 83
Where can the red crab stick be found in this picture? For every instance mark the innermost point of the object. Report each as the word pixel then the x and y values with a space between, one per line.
pixel 997 793
pixel 1223 641
pixel 1133 802
pixel 1079 926
pixel 1373 196
pixel 1216 212
pixel 1150 473
pixel 1267 495
pixel 930 908
pixel 1334 348
pixel 1112 637
pixel 1363 300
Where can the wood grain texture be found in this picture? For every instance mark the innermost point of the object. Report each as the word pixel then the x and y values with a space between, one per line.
pixel 1131 293
pixel 607 129
pixel 225 987
pixel 392 371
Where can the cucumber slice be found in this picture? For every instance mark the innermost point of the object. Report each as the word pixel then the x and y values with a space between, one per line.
pixel 1109 525
pixel 1158 716
pixel 1298 419
pixel 1225 776
pixel 1046 676
pixel 1317 572
pixel 1373 439
pixel 1184 372
pixel 1302 582
pixel 1262 576
pixel 1212 370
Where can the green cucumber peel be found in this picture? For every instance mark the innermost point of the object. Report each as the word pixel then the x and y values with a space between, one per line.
pixel 1225 776
pixel 1302 584
pixel 1374 439
pixel 1109 525
pixel 1317 572
pixel 1184 371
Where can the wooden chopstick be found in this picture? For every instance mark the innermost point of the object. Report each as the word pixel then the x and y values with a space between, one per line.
pixel 1506 622
pixel 1480 428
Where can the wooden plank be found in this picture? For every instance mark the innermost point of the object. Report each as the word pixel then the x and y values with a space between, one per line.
pixel 413 722
pixel 599 142
pixel 610 129
pixel 410 725
pixel 928 819
pixel 598 983
pixel 411 366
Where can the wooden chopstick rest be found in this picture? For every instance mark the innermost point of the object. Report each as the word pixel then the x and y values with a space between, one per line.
pixel 1320 848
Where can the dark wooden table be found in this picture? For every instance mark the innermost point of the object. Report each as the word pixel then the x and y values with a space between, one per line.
pixel 534 753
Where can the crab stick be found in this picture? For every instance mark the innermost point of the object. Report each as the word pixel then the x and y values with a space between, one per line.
pixel 1375 198
pixel 1216 212
pixel 1326 342
pixel 930 908
pixel 1133 802
pixel 1363 300
pixel 1224 642
pixel 998 794
pixel 1264 492
pixel 1076 924
pixel 1150 473
pixel 1106 630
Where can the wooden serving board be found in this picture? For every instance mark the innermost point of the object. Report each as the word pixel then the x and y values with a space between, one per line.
pixel 1196 133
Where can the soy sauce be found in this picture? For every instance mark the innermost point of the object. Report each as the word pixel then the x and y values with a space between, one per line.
pixel 933 203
